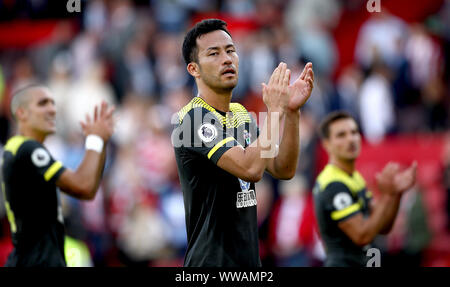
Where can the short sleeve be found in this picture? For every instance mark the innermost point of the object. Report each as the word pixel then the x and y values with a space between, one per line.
pixel 40 159
pixel 339 202
pixel 202 132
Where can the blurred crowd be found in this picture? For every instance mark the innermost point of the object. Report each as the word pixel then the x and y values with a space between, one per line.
pixel 129 54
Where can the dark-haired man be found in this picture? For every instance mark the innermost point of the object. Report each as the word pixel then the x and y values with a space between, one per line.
pixel 347 216
pixel 221 153
pixel 31 177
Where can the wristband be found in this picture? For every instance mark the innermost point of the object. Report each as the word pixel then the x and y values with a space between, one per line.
pixel 94 142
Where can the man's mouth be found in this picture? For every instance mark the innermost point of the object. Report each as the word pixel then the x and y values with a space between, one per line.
pixel 229 72
pixel 352 148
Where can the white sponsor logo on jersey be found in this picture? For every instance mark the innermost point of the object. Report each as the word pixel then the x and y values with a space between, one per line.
pixel 245 198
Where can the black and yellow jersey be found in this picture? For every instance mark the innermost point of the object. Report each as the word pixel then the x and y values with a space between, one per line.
pixel 337 197
pixel 220 208
pixel 32 203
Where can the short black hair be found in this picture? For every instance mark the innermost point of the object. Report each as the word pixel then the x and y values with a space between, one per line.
pixel 201 28
pixel 324 127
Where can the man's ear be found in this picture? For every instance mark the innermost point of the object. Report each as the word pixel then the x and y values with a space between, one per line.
pixel 193 69
pixel 326 145
pixel 21 113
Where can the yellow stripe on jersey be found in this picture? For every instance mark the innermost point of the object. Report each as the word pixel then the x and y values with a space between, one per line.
pixel 54 168
pixel 332 173
pixel 240 114
pixel 199 102
pixel 14 143
pixel 218 145
pixel 9 212
pixel 339 214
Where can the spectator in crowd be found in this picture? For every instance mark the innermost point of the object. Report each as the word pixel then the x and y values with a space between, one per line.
pixel 293 223
pixel 376 103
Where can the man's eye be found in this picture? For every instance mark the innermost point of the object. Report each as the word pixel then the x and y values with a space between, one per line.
pixel 230 51
pixel 213 54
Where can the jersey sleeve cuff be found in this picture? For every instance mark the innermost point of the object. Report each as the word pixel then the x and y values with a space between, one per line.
pixel 340 215
pixel 220 148
pixel 54 171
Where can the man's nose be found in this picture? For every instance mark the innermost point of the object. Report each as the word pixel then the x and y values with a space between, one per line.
pixel 227 59
pixel 52 109
pixel 349 138
pixel 354 137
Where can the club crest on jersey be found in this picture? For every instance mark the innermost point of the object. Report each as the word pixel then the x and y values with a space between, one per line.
pixel 40 157
pixel 247 137
pixel 244 185
pixel 207 132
